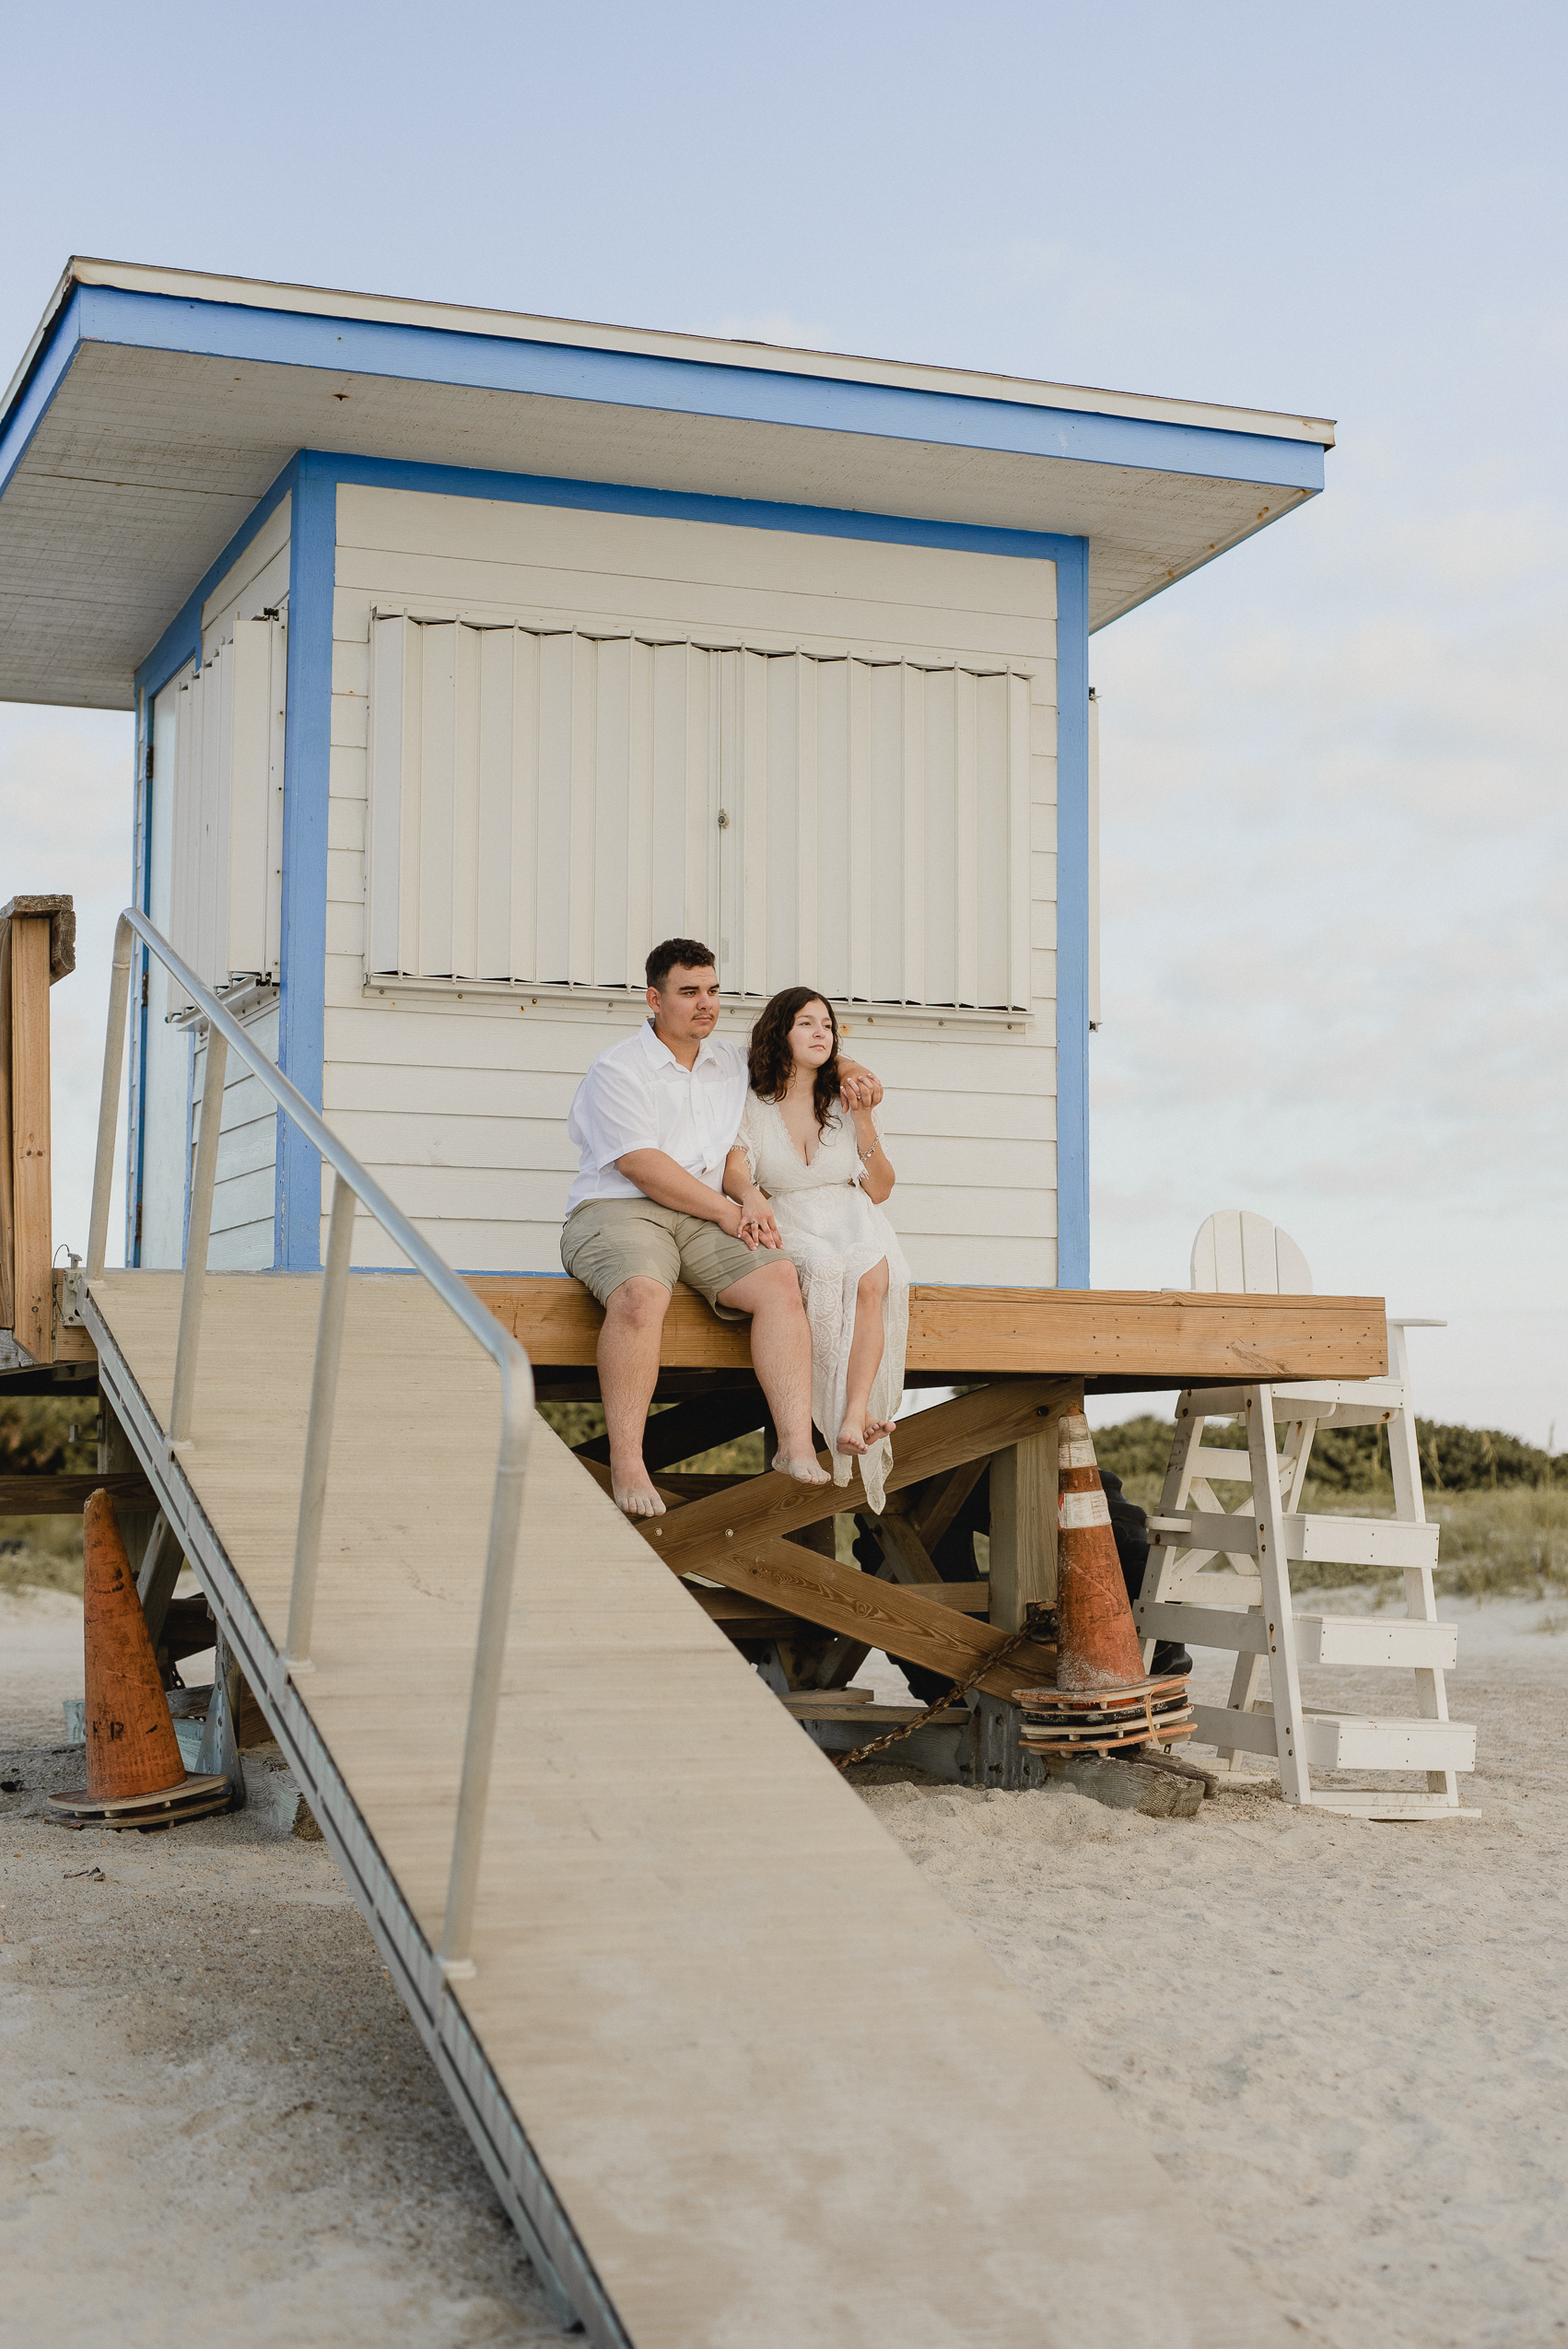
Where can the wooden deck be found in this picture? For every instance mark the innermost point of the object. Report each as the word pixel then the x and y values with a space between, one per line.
pixel 1110 1339
pixel 782 2093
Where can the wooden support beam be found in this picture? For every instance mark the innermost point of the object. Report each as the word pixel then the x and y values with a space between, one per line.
pixel 8 1198
pixel 1163 1338
pixel 32 1285
pixel 42 1496
pixel 908 1560
pixel 903 1622
pixel 771 1505
pixel 939 1507
pixel 863 1609
pixel 691 1427
pixel 1023 1525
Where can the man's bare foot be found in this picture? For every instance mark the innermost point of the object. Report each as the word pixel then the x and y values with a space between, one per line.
pixel 806 1471
pixel 636 1497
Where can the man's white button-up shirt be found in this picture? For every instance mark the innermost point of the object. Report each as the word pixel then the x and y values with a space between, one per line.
pixel 637 1096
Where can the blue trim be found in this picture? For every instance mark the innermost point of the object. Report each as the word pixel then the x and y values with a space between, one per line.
pixel 713 388
pixel 689 505
pixel 135 1113
pixel 313 565
pixel 181 640
pixel 312 478
pixel 1072 918
pixel 36 397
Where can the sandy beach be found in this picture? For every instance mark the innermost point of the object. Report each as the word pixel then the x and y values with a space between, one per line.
pixel 1346 2041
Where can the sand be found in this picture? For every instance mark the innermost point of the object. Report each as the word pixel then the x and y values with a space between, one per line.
pixel 1346 2041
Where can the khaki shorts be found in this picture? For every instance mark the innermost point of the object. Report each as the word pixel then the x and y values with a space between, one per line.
pixel 608 1241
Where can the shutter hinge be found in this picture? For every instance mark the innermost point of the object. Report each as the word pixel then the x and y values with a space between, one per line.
pixel 144 1007
pixel 146 770
pixel 138 1223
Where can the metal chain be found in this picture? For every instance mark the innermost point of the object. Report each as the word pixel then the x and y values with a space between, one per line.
pixel 1029 1630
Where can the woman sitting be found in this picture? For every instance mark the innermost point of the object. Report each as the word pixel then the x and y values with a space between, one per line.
pixel 811 1176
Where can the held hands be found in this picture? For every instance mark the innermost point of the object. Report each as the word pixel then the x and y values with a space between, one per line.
pixel 858 1089
pixel 757 1228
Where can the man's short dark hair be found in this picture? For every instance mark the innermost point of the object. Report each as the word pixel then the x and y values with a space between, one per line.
pixel 690 953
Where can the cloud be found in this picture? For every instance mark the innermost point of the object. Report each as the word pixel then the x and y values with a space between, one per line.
pixel 1335 876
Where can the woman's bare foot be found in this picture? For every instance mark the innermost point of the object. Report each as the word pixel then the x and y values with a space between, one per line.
pixel 806 1471
pixel 636 1497
pixel 857 1434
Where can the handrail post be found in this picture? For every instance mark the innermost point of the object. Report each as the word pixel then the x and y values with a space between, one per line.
pixel 109 1098
pixel 193 1291
pixel 319 1431
pixel 483 1706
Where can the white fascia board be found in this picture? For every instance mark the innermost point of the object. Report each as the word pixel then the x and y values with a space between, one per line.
pixel 711 350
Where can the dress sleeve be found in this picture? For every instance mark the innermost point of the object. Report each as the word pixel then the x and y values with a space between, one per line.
pixel 747 1139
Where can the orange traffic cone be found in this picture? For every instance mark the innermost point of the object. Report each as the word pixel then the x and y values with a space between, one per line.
pixel 132 1748
pixel 1097 1643
pixel 134 1772
pixel 1102 1702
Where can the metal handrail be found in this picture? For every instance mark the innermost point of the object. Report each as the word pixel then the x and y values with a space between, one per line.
pixel 353 1184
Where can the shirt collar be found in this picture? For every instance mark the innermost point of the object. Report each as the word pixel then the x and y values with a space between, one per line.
pixel 663 1060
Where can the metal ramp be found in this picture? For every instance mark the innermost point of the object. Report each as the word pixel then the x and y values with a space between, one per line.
pixel 738 2075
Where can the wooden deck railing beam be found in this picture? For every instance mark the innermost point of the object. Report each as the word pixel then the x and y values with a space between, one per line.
pixel 1162 1337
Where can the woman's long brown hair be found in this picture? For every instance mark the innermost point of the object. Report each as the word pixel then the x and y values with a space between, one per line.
pixel 771 1062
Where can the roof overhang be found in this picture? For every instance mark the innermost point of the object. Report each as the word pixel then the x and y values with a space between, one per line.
pixel 155 407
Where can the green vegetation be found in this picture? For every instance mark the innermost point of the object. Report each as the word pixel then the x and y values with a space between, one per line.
pixel 577 1423
pixel 1504 1516
pixel 41 1436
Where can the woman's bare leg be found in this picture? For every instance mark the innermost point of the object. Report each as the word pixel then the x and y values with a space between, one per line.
pixel 859 1433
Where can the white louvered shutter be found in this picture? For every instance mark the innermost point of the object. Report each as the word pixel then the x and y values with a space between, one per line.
pixel 225 894
pixel 544 805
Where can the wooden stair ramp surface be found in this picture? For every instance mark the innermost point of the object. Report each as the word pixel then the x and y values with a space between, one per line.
pixel 701 1962
pixel 1218 1575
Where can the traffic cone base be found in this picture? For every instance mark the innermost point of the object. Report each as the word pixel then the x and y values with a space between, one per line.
pixel 1097 1642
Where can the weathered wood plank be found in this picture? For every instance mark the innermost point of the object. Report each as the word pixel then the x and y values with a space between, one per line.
pixel 1024 1526
pixel 44 1496
pixel 899 1620
pixel 32 1209
pixel 1166 1336
pixel 7 1203
pixel 767 1506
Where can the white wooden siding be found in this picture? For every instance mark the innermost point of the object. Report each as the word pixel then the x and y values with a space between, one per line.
pixel 542 805
pixel 459 1105
pixel 226 893
pixel 245 1193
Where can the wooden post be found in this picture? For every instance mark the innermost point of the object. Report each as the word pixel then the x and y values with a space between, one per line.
pixel 7 1203
pixel 115 1457
pixel 33 1246
pixel 1024 1524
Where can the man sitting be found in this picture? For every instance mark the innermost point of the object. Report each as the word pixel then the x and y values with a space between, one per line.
pixel 654 1122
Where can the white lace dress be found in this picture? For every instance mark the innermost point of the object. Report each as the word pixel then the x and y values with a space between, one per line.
pixel 834 1233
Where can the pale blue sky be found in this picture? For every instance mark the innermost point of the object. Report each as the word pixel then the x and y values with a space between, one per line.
pixel 1333 765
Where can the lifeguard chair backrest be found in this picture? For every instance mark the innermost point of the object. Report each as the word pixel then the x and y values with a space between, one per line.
pixel 1240 1253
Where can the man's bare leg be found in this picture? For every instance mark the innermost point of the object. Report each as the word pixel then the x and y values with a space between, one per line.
pixel 859 1432
pixel 628 1372
pixel 781 1357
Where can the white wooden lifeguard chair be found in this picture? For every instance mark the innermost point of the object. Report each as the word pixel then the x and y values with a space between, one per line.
pixel 1219 1576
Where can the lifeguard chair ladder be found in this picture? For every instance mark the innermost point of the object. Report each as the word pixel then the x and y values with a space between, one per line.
pixel 1219 1577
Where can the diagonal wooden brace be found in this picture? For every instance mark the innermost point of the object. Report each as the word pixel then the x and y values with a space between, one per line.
pixel 692 1539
